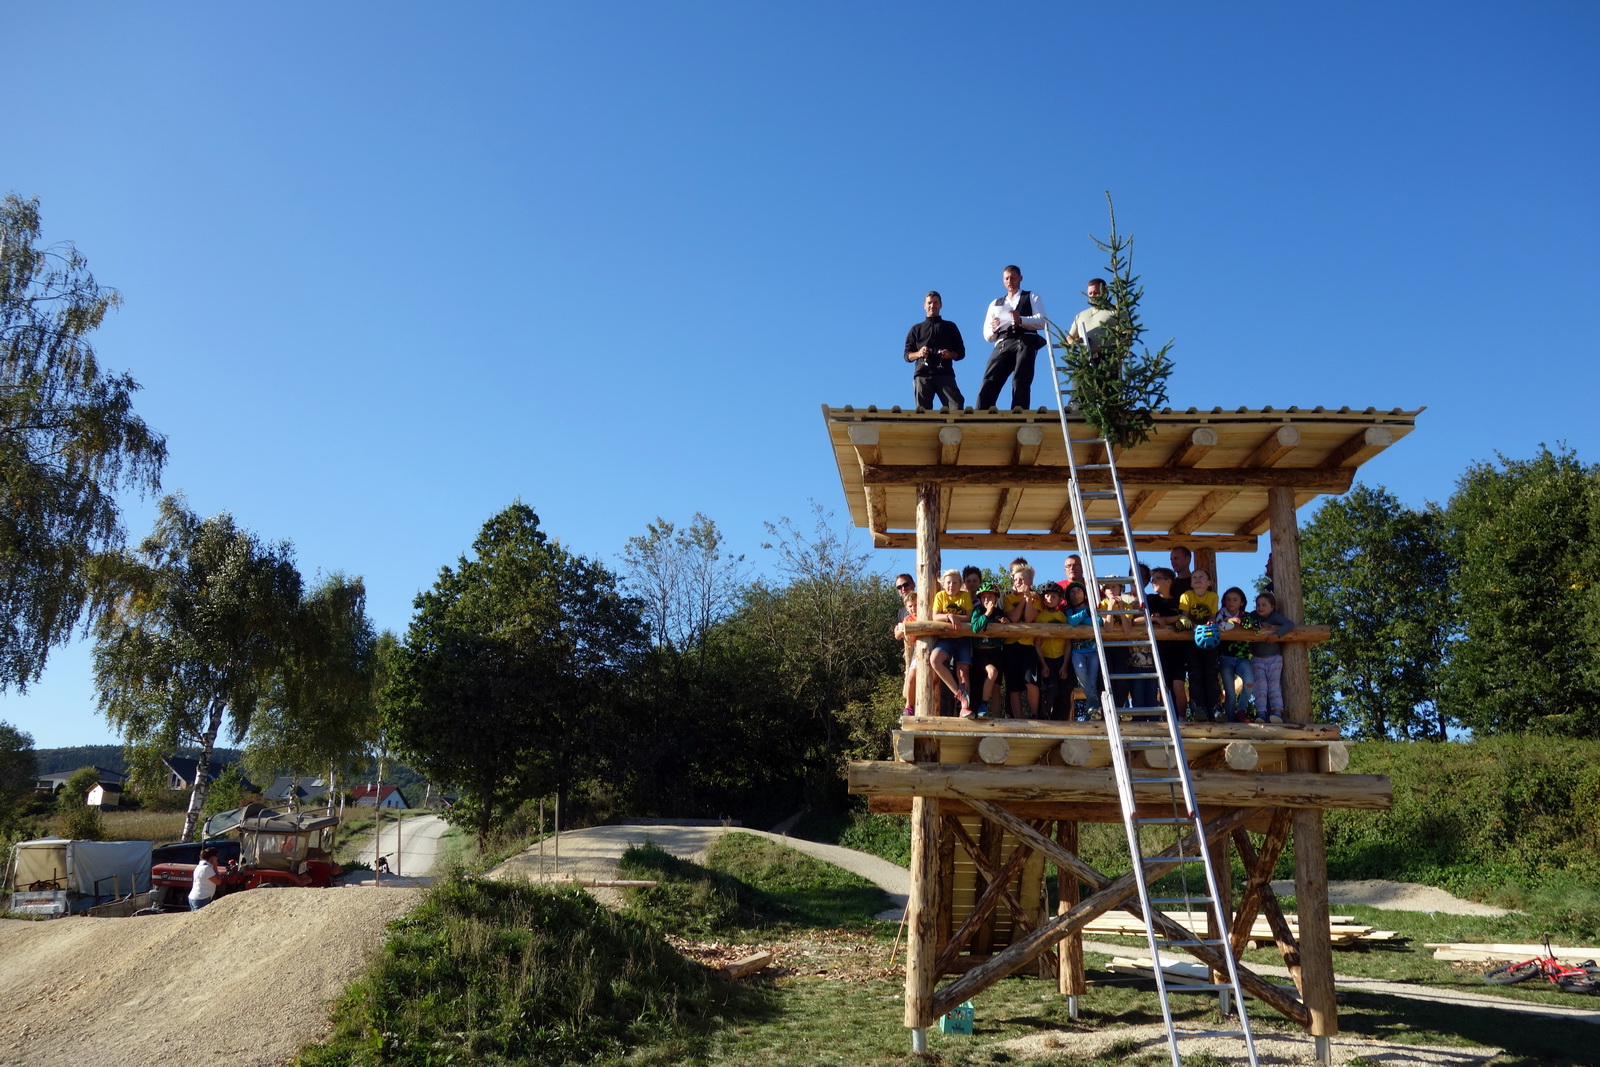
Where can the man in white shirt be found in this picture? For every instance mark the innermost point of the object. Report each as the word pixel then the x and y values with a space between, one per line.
pixel 1089 326
pixel 206 880
pixel 1015 324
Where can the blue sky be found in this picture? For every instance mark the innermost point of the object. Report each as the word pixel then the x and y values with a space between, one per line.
pixel 389 267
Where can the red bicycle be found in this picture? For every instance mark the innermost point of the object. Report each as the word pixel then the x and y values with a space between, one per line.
pixel 1582 978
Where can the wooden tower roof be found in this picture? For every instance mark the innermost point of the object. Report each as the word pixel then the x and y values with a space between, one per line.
pixel 1201 479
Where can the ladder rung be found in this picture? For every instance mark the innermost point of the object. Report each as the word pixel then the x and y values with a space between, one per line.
pixel 1088 440
pixel 1125 611
pixel 1109 520
pixel 1094 466
pixel 1098 494
pixel 1180 900
pixel 1152 707
pixel 1165 821
pixel 1108 579
pixel 1125 642
pixel 1196 987
pixel 1144 674
pixel 1189 944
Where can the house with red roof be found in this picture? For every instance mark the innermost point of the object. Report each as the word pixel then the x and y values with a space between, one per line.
pixel 370 796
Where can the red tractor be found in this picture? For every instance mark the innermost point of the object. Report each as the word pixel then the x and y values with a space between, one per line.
pixel 276 848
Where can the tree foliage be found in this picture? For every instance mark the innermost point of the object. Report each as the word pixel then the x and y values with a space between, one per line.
pixel 194 631
pixel 1525 539
pixel 1377 572
pixel 500 687
pixel 685 578
pixel 19 769
pixel 1116 386
pixel 322 711
pixel 69 440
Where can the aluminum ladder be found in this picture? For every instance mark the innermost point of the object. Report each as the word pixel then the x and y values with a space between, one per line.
pixel 1185 818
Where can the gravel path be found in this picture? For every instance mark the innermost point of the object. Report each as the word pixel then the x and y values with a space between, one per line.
pixel 593 853
pixel 414 856
pixel 1397 896
pixel 247 980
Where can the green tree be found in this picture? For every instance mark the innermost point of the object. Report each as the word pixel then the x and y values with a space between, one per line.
pixel 1378 573
pixel 322 712
pixel 501 688
pixel 19 769
pixel 79 821
pixel 1116 386
pixel 193 633
pixel 685 577
pixel 1526 543
pixel 69 440
pixel 825 630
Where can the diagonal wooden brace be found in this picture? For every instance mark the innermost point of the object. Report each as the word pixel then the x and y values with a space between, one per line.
pixel 1287 945
pixel 1258 873
pixel 986 901
pixel 996 876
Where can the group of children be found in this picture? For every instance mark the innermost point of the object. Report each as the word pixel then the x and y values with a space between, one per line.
pixel 1229 681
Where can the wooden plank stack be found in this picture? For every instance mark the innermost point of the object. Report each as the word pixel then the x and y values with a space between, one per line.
pixel 1470 953
pixel 1343 929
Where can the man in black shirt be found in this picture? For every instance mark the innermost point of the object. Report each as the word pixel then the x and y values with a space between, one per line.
pixel 934 345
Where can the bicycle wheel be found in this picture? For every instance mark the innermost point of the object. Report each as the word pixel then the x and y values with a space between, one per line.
pixel 1580 983
pixel 1516 972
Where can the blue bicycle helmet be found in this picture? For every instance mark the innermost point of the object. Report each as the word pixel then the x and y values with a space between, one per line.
pixel 1205 635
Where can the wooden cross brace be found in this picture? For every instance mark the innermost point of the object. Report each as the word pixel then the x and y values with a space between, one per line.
pixel 1108 893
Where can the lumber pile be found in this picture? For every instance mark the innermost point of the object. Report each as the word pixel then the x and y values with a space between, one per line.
pixel 1178 973
pixel 1470 953
pixel 1344 929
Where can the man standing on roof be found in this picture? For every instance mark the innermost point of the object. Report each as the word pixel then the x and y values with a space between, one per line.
pixel 1090 326
pixel 934 345
pixel 1015 323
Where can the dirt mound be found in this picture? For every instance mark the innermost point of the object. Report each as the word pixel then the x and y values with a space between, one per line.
pixel 248 978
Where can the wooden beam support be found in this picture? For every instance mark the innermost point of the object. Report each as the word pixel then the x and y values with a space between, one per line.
pixel 1310 479
pixel 1097 785
pixel 1257 876
pixel 922 909
pixel 1072 981
pixel 864 439
pixel 927 581
pixel 1026 454
pixel 1257 821
pixel 1310 846
pixel 1202 439
pixel 1201 513
pixel 1282 933
pixel 1361 447
pixel 1262 733
pixel 1108 895
pixel 1064 542
pixel 949 453
pixel 985 904
pixel 1279 443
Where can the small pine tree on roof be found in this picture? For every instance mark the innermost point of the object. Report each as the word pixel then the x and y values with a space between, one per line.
pixel 1117 388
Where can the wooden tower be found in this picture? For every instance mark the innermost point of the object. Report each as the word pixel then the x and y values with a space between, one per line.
pixel 991 801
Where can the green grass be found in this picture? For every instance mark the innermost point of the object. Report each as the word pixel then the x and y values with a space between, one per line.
pixel 747 883
pixel 508 973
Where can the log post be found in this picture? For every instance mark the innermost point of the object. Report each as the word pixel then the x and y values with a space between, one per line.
pixel 1310 847
pixel 1219 916
pixel 1073 983
pixel 922 935
pixel 927 581
pixel 1205 559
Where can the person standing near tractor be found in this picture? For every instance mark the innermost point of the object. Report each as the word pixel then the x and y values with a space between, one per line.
pixel 206 880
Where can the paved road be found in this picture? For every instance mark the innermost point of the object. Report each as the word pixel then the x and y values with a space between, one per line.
pixel 411 844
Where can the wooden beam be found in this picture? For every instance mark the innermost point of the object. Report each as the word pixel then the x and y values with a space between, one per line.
pixel 1062 542
pixel 1257 821
pixel 1201 513
pixel 922 907
pixel 1361 447
pixel 999 879
pixel 1263 519
pixel 1072 980
pixel 1202 439
pixel 949 453
pixel 1109 894
pixel 864 439
pixel 1310 846
pixel 1026 454
pixel 927 546
pixel 1258 875
pixel 1260 733
pixel 1311 479
pixel 1282 934
pixel 1300 635
pixel 1246 789
pixel 1279 443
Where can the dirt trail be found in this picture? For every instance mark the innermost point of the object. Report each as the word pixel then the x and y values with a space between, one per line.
pixel 248 978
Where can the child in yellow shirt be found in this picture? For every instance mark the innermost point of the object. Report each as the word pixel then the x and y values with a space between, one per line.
pixel 952 604
pixel 1055 677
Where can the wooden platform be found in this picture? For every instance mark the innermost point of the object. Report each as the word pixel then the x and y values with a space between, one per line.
pixel 1200 481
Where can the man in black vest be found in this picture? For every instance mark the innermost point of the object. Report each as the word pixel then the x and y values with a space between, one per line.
pixel 1016 324
pixel 934 345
